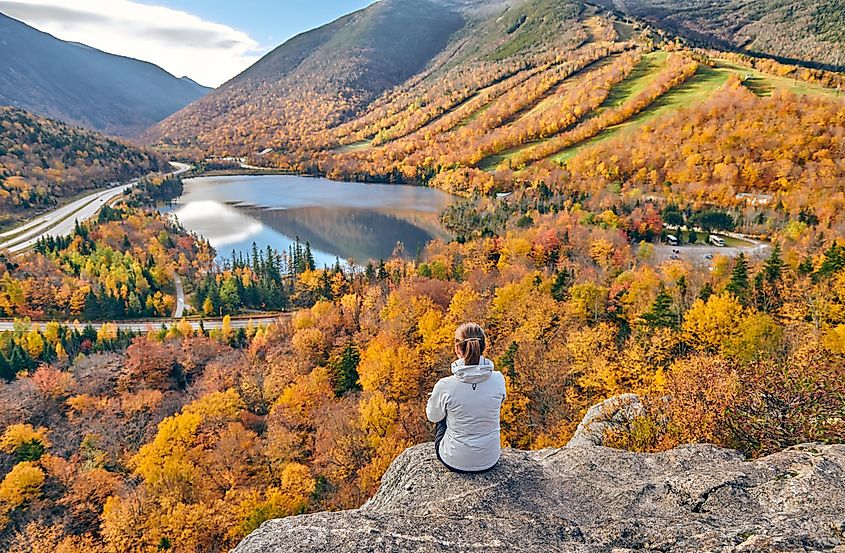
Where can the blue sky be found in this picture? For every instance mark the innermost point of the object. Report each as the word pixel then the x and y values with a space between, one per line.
pixel 208 41
pixel 270 21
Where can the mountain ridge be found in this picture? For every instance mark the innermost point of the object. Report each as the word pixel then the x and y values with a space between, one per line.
pixel 329 72
pixel 81 85
pixel 44 161
pixel 807 33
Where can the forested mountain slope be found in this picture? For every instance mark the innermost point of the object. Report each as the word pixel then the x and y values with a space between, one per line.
pixel 81 85
pixel 318 77
pixel 466 92
pixel 811 31
pixel 324 77
pixel 43 161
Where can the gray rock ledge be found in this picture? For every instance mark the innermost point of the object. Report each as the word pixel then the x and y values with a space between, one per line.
pixel 697 498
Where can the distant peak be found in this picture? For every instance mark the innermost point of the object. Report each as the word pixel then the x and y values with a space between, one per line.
pixel 187 79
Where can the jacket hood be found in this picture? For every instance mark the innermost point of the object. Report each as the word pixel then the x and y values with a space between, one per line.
pixel 472 373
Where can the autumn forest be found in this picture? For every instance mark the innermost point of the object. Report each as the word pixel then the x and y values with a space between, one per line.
pixel 575 143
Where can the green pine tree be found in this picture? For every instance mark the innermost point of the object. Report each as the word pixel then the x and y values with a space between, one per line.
pixel 6 372
pixel 773 269
pixel 834 261
pixel 344 368
pixel 661 314
pixel 563 282
pixel 507 362
pixel 739 283
pixel 806 266
pixel 310 265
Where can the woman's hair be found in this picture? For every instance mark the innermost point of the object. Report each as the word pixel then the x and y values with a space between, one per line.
pixel 471 342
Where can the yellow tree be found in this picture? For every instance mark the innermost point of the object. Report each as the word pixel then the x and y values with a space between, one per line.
pixel 33 342
pixel 712 325
pixel 19 439
pixel 21 484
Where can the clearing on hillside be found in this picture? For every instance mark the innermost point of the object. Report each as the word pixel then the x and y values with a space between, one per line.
pixel 695 91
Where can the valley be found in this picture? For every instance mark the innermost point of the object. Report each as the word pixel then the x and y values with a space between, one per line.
pixel 636 210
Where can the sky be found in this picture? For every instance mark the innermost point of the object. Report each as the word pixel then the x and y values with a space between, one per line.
pixel 209 41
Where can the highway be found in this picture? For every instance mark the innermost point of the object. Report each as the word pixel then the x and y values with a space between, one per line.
pixel 61 221
pixel 180 297
pixel 7 325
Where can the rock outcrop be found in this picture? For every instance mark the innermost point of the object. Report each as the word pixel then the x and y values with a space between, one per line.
pixel 588 499
pixel 610 414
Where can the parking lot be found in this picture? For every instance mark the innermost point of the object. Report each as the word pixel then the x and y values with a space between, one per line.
pixel 698 253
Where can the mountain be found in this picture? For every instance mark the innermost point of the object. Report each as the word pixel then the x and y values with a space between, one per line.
pixel 812 31
pixel 458 93
pixel 44 161
pixel 321 75
pixel 84 86
pixel 325 77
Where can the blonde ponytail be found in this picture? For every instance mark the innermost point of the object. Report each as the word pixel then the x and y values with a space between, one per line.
pixel 471 342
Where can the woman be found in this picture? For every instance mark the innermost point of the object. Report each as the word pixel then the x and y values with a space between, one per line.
pixel 466 407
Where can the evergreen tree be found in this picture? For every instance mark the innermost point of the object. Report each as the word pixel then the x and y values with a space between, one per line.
pixel 344 370
pixel 272 268
pixel 92 310
pixel 767 293
pixel 6 371
pixel 661 315
pixel 773 269
pixel 326 286
pixel 507 362
pixel 562 283
pixel 19 360
pixel 310 265
pixel 31 450
pixel 256 264
pixel 230 299
pixel 705 292
pixel 739 283
pixel 806 266
pixel 834 261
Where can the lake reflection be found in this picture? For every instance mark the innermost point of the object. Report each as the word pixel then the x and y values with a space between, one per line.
pixel 340 220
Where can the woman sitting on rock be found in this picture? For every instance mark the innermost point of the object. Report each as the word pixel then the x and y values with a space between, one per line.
pixel 466 407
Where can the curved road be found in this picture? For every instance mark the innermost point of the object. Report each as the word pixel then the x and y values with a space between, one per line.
pixel 7 325
pixel 61 221
pixel 180 297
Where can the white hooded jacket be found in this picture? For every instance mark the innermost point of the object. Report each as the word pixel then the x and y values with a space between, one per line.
pixel 470 400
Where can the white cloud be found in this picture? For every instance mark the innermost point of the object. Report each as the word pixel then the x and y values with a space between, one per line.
pixel 180 42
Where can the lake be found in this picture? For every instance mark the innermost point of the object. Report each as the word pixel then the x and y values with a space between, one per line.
pixel 349 221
